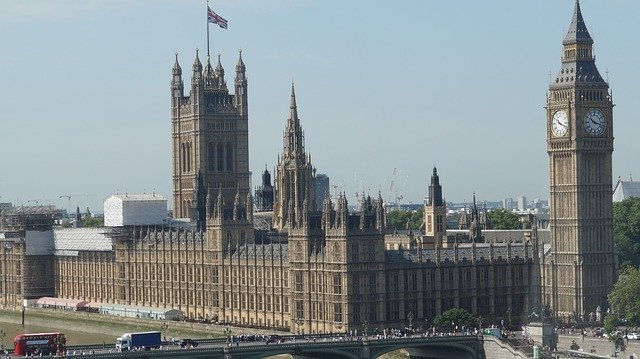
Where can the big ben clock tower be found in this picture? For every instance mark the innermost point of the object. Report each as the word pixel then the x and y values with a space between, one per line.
pixel 581 266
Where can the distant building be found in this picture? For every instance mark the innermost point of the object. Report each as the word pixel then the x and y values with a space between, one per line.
pixel 625 190
pixel 322 189
pixel 507 204
pixel 5 206
pixel 264 193
pixel 522 203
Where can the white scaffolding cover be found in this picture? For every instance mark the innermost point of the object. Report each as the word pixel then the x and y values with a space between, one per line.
pixel 138 209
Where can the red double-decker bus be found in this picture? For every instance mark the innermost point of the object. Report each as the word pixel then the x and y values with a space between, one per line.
pixel 39 343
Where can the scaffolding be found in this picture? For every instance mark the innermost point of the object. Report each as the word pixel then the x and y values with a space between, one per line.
pixel 17 220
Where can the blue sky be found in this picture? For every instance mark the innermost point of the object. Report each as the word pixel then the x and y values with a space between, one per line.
pixel 380 85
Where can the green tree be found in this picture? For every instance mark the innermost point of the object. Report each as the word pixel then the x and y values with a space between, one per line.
pixel 405 219
pixel 502 219
pixel 93 222
pixel 626 231
pixel 453 317
pixel 624 296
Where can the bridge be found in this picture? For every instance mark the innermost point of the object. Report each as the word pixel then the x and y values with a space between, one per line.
pixel 436 347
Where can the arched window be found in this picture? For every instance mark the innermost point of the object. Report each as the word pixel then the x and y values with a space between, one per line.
pixel 211 157
pixel 229 157
pixel 189 156
pixel 183 158
pixel 220 157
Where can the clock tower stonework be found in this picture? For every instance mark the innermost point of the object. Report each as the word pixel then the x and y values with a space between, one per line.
pixel 581 266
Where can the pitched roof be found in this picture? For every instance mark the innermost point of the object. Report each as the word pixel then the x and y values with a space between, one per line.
pixel 578 29
pixel 626 189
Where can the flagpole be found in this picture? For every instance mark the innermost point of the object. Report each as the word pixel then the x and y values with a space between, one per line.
pixel 207 28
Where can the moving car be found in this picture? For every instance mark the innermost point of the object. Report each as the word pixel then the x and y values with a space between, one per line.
pixel 185 343
pixel 275 339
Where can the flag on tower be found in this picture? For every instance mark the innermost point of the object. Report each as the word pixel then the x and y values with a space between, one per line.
pixel 214 18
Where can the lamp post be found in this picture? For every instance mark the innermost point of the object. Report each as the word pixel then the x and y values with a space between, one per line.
pixel 163 328
pixel 227 333
pixel 298 322
pixel 366 327
pixel 410 319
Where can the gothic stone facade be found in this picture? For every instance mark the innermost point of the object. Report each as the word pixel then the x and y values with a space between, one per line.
pixel 327 270
pixel 581 269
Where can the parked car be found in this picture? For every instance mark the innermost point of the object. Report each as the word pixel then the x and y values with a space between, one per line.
pixel 634 336
pixel 598 332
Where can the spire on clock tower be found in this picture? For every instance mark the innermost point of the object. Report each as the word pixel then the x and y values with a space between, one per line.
pixel 581 267
pixel 578 32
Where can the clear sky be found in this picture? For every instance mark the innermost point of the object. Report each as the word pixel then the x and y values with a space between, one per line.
pixel 380 85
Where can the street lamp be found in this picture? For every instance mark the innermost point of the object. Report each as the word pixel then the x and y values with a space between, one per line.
pixel 298 322
pixel 227 333
pixel 410 318
pixel 163 328
pixel 366 327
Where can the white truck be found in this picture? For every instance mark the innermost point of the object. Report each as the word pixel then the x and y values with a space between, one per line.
pixel 140 341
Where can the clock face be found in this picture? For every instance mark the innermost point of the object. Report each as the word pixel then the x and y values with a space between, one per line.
pixel 594 122
pixel 560 123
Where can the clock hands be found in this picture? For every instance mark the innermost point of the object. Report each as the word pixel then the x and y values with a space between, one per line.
pixel 561 124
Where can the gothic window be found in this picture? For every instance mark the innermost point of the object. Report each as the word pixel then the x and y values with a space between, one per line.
pixel 298 282
pixel 229 157
pixel 356 284
pixel 183 157
pixel 215 275
pixel 337 312
pixel 220 157
pixel 337 283
pixel 372 252
pixel 211 157
pixel 188 161
pixel 299 309
pixel 372 283
pixel 354 252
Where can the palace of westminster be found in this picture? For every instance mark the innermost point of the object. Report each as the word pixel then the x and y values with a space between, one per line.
pixel 321 267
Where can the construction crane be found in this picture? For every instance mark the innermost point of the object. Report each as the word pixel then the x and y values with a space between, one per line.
pixel 69 203
pixel 398 182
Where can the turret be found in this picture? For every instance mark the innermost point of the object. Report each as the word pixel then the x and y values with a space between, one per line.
pixel 249 207
pixel 196 81
pixel 435 190
pixel 78 220
pixel 177 86
pixel 380 215
pixel 210 208
pixel 219 211
pixel 209 76
pixel 219 74
pixel 236 206
pixel 326 212
pixel 241 86
pixel 363 212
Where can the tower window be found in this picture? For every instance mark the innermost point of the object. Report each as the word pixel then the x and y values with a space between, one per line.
pixel 220 157
pixel 229 157
pixel 211 156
